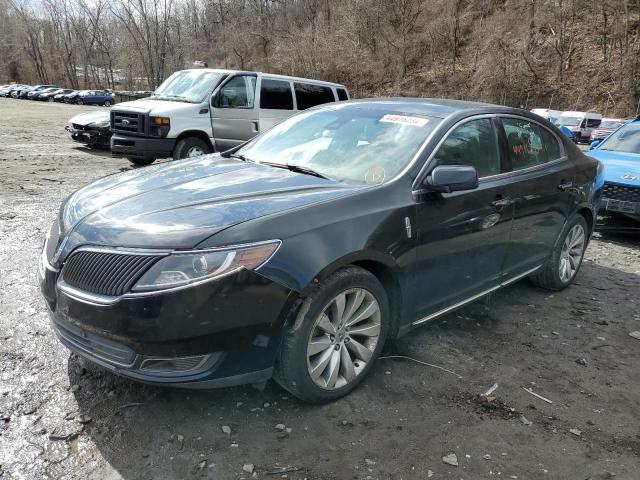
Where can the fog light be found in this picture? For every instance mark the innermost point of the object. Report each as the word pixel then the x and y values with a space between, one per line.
pixel 173 365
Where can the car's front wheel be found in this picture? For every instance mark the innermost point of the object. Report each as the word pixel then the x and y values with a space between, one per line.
pixel 339 331
pixel 79 101
pixel 141 162
pixel 566 259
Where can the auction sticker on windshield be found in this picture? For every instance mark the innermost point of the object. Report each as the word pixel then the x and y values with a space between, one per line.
pixel 405 120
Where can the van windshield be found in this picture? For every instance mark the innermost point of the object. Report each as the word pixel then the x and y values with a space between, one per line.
pixel 568 121
pixel 187 86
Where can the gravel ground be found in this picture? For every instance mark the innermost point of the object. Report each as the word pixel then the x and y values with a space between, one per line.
pixel 60 420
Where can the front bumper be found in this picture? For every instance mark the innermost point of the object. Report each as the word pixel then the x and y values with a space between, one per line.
pixel 94 137
pixel 142 147
pixel 217 334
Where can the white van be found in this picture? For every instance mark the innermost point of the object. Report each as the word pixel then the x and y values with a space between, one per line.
pixel 200 111
pixel 580 123
pixel 547 113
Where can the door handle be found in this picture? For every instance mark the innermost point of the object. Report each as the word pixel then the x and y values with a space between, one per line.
pixel 565 186
pixel 255 126
pixel 501 202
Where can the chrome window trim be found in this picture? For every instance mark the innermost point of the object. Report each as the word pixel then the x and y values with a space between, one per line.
pixel 105 300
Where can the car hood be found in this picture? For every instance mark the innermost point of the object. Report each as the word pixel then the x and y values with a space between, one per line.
pixel 157 107
pixel 619 167
pixel 177 205
pixel 90 117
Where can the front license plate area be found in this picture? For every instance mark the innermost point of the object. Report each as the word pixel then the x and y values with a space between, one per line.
pixel 621 206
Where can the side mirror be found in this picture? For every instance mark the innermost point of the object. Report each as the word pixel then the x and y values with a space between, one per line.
pixel 215 100
pixel 594 144
pixel 451 178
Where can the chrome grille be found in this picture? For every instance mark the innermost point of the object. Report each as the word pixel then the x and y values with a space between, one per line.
pixel 127 122
pixel 619 192
pixel 105 273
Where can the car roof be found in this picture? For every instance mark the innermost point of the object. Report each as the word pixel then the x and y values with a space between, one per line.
pixel 269 75
pixel 441 107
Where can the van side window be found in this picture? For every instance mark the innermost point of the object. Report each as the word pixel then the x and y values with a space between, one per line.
pixel 239 92
pixel 593 122
pixel 473 143
pixel 526 147
pixel 276 95
pixel 342 94
pixel 309 95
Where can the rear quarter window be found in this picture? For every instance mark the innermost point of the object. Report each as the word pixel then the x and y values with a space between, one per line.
pixel 309 95
pixel 342 94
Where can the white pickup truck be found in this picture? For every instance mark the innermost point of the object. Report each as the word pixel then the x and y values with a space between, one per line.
pixel 200 111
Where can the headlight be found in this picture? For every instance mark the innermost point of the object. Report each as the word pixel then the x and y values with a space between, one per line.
pixel 181 269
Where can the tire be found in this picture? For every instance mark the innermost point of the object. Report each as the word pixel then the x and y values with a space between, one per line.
pixel 189 147
pixel 79 101
pixel 550 275
pixel 107 103
pixel 141 162
pixel 51 99
pixel 343 351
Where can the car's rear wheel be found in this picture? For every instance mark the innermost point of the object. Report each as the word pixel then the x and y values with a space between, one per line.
pixel 190 147
pixel 51 99
pixel 141 162
pixel 338 333
pixel 561 269
pixel 107 103
pixel 79 101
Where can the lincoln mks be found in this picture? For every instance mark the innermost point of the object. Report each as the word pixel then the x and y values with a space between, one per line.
pixel 298 254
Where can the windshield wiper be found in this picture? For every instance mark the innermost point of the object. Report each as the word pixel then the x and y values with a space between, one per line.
pixel 297 169
pixel 239 156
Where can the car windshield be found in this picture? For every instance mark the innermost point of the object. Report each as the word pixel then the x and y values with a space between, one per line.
pixel 187 86
pixel 356 143
pixel 625 139
pixel 569 121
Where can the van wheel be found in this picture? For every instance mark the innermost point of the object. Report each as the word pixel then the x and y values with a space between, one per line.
pixel 561 269
pixel 338 333
pixel 141 162
pixel 190 147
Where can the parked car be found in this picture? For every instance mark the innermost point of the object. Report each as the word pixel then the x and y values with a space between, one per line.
pixel 620 155
pixel 300 253
pixel 607 126
pixel 36 94
pixel 50 96
pixel 60 97
pixel 199 111
pixel 91 129
pixel 95 97
pixel 32 90
pixel 15 93
pixel 580 123
pixel 71 97
pixel 6 91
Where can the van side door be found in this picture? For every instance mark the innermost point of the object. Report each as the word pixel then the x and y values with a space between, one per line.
pixel 276 102
pixel 234 113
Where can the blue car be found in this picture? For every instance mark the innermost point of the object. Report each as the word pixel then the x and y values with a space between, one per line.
pixel 95 97
pixel 620 155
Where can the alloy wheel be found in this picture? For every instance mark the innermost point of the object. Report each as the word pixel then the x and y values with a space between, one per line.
pixel 343 338
pixel 572 252
pixel 194 152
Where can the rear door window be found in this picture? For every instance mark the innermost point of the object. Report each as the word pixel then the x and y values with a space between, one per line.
pixel 309 95
pixel 529 144
pixel 276 95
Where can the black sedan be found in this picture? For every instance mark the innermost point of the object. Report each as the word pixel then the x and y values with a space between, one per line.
pixel 51 95
pixel 299 254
